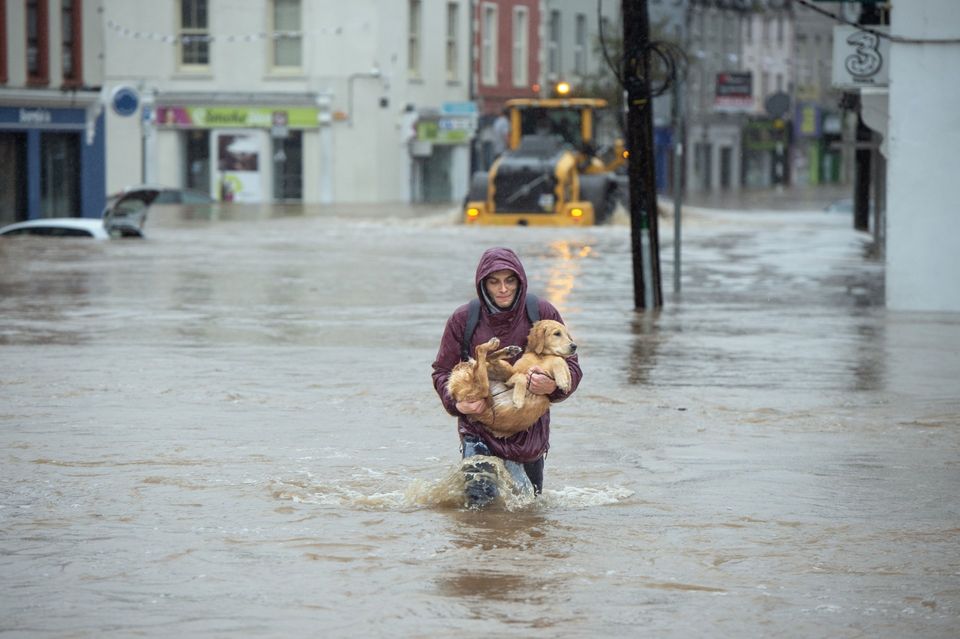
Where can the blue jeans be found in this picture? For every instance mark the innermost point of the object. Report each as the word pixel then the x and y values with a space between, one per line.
pixel 529 474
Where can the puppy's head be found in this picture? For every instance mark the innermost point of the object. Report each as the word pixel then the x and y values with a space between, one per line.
pixel 548 337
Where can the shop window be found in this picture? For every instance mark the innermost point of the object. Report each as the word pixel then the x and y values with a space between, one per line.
pixel 288 36
pixel 71 42
pixel 60 175
pixel 520 45
pixel 288 167
pixel 38 43
pixel 194 34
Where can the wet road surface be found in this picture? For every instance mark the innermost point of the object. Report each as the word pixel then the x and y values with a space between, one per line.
pixel 229 430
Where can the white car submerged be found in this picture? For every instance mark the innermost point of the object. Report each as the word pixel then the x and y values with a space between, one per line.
pixel 123 217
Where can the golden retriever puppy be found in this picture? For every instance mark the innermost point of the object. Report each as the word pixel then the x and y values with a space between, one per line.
pixel 491 377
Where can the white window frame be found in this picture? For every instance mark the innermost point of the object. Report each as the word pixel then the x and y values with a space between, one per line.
pixel 580 44
pixel 285 35
pixel 192 32
pixel 554 25
pixel 521 46
pixel 414 38
pixel 453 44
pixel 488 44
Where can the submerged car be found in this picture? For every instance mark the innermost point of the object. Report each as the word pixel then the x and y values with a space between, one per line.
pixel 123 217
pixel 160 195
pixel 59 227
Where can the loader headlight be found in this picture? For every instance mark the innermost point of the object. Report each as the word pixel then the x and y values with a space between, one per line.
pixel 473 211
pixel 576 212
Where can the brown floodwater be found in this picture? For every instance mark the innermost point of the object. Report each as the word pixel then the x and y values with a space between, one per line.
pixel 228 429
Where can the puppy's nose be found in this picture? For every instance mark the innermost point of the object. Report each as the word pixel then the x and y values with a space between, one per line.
pixel 573 347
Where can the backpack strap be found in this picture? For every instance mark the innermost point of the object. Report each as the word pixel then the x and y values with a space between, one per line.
pixel 473 317
pixel 533 308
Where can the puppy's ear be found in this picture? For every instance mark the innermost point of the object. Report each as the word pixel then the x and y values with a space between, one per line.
pixel 537 340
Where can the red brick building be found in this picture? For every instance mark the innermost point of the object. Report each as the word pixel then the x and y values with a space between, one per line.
pixel 507 52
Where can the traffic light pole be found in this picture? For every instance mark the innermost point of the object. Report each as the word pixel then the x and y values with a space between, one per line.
pixel 647 290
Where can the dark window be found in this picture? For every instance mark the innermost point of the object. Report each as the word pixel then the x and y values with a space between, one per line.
pixel 194 34
pixel 50 231
pixel 72 41
pixel 38 47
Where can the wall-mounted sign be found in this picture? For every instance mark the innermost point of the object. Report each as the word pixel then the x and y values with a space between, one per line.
pixel 861 58
pixel 764 135
pixel 734 91
pixel 806 121
pixel 445 130
pixel 195 117
pixel 124 100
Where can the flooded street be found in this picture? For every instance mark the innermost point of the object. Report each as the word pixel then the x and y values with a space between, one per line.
pixel 229 430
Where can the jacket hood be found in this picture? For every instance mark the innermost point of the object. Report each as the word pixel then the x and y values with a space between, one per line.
pixel 498 259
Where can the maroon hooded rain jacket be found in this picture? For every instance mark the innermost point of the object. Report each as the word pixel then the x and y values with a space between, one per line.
pixel 512 327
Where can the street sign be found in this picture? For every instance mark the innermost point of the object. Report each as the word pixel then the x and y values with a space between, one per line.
pixel 777 104
pixel 860 58
pixel 125 100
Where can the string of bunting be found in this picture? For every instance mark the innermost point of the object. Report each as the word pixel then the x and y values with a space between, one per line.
pixel 135 34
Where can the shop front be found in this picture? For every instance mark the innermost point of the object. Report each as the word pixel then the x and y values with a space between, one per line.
pixel 52 161
pixel 441 156
pixel 237 153
pixel 766 153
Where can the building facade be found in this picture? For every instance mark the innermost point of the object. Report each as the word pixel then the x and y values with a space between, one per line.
pixel 52 147
pixel 286 100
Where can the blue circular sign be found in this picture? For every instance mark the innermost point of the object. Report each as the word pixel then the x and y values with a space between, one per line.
pixel 125 101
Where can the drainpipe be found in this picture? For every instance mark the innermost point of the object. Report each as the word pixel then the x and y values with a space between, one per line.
pixel 325 137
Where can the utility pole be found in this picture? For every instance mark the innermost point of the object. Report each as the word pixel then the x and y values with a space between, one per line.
pixel 864 159
pixel 647 291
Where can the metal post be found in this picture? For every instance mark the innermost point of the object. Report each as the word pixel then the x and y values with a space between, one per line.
pixel 678 138
pixel 643 192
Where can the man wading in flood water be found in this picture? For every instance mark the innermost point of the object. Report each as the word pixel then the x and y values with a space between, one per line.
pixel 502 294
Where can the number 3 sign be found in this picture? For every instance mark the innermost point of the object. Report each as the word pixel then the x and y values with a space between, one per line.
pixel 860 57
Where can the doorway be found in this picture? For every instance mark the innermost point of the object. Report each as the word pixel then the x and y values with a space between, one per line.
pixel 288 167
pixel 197 161
pixel 60 175
pixel 13 165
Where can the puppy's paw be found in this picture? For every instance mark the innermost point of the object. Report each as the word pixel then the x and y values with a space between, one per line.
pixel 519 395
pixel 512 351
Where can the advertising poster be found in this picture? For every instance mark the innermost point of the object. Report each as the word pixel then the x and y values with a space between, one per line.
pixel 238 167
pixel 734 92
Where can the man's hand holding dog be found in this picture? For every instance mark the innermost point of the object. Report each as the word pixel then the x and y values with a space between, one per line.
pixel 539 382
pixel 468 407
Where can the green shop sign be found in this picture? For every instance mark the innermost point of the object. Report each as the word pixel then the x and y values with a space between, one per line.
pixel 445 130
pixel 764 135
pixel 235 117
